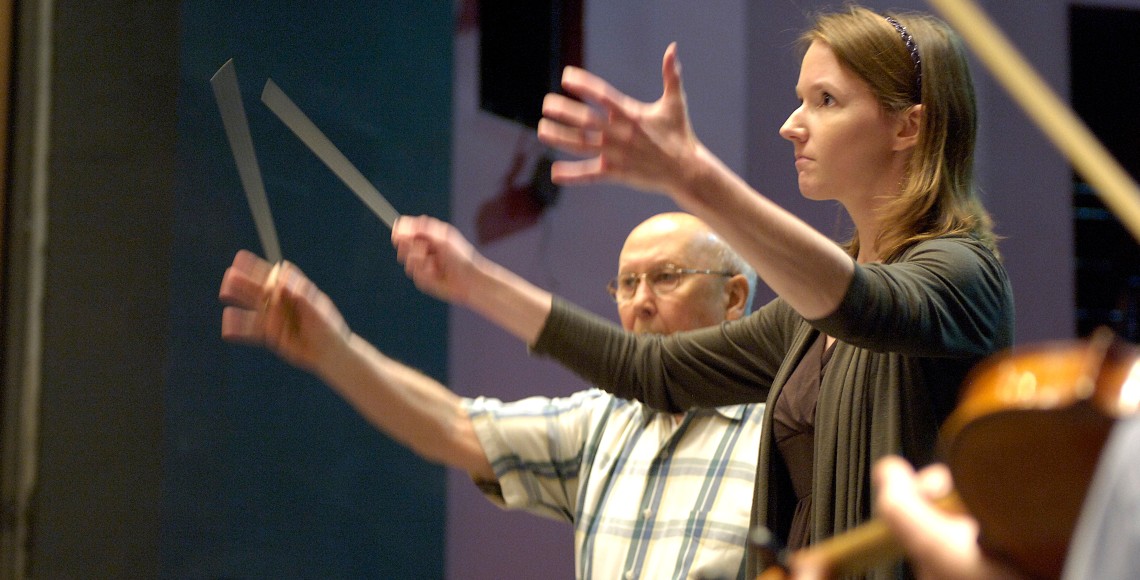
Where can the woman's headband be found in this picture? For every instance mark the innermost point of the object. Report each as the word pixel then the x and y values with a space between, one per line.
pixel 912 46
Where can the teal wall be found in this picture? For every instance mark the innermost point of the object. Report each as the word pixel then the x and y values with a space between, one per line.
pixel 268 473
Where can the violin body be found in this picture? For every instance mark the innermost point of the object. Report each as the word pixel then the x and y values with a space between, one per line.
pixel 1023 443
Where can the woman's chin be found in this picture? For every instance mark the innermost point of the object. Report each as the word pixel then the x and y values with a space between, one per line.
pixel 809 189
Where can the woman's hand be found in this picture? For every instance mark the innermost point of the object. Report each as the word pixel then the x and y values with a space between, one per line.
pixel 649 146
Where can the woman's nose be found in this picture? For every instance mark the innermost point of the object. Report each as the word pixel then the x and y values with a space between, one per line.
pixel 792 129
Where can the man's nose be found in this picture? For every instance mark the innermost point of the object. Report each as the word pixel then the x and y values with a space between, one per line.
pixel 643 299
pixel 643 289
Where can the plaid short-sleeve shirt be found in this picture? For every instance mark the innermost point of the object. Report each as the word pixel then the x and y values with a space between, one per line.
pixel 649 496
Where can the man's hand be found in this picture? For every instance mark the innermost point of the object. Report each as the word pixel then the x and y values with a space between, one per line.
pixel 276 306
pixel 436 257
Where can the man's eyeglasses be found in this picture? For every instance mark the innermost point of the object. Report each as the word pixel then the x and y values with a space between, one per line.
pixel 661 281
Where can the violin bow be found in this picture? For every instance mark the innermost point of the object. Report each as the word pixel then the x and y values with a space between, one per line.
pixel 1068 133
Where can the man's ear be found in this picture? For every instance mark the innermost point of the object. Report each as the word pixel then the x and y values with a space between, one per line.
pixel 910 121
pixel 736 289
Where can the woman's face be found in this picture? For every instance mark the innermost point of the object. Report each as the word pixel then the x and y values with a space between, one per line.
pixel 845 143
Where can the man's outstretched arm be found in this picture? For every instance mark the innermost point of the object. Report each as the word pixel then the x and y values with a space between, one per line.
pixel 277 307
pixel 444 264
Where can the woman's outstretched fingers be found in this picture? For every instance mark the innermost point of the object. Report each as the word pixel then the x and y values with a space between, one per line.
pixel 567 111
pixel 591 88
pixel 577 172
pixel 671 71
pixel 569 139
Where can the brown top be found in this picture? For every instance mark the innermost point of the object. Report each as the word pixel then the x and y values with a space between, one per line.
pixel 794 430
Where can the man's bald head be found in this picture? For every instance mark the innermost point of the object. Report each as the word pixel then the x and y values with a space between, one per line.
pixel 682 241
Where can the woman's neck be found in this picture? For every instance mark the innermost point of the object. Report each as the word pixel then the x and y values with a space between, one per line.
pixel 867 232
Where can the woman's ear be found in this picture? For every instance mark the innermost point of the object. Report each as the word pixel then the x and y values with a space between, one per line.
pixel 910 121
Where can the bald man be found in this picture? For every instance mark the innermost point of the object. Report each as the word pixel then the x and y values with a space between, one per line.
pixel 650 495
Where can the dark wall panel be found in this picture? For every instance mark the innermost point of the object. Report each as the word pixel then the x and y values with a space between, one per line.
pixel 110 174
pixel 269 473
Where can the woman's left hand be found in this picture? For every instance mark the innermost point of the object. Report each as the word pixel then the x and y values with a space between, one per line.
pixel 649 146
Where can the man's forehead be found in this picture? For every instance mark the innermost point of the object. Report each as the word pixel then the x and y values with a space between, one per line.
pixel 656 251
pixel 654 256
pixel 648 266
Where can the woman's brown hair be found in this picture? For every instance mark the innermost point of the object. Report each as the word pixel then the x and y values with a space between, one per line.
pixel 938 196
